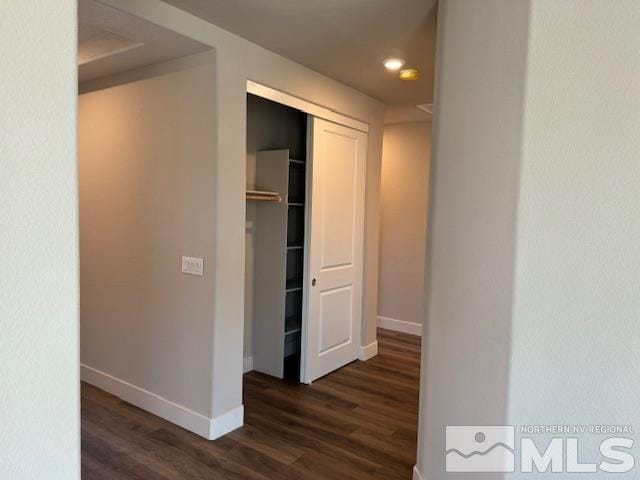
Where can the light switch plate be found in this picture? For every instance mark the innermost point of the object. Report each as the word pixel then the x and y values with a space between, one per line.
pixel 193 266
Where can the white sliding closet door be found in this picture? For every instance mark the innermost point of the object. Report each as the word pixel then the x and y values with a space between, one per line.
pixel 335 237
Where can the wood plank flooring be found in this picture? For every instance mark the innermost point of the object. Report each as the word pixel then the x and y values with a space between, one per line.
pixel 357 423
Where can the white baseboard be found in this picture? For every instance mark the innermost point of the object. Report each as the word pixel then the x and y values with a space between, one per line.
pixel 209 428
pixel 400 326
pixel 416 473
pixel 368 351
pixel 226 422
pixel 247 365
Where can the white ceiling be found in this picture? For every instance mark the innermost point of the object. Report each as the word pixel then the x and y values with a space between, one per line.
pixel 111 41
pixel 343 39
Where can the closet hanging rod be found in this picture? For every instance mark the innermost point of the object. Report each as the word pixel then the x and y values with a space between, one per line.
pixel 262 196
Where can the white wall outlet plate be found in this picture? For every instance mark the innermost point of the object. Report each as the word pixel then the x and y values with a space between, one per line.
pixel 193 266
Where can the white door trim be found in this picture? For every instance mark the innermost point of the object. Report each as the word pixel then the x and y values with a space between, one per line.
pixel 292 101
pixel 367 352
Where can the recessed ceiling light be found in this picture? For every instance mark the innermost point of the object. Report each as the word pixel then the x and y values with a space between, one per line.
pixel 409 74
pixel 393 64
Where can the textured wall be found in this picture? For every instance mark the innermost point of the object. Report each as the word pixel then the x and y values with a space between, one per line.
pixel 535 259
pixel 576 317
pixel 39 372
pixel 472 230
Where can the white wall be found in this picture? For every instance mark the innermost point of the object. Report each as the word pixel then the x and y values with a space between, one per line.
pixel 403 225
pixel 236 61
pixel 146 176
pixel 541 148
pixel 576 315
pixel 474 176
pixel 39 380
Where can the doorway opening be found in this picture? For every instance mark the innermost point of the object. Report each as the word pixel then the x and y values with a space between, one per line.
pixel 305 234
pixel 275 237
pixel 148 113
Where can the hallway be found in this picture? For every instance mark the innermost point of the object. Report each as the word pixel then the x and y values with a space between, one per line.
pixel 357 423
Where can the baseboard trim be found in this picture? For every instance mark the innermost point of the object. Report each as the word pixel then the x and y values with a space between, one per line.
pixel 247 364
pixel 400 326
pixel 416 473
pixel 209 428
pixel 226 422
pixel 368 351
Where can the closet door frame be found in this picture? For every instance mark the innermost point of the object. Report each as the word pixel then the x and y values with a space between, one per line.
pixel 318 111
pixel 313 109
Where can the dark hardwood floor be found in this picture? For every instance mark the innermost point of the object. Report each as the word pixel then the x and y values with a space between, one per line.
pixel 356 423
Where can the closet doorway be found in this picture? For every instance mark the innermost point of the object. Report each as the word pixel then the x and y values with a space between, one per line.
pixel 304 242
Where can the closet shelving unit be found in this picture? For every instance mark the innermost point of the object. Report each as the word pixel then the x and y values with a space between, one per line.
pixel 279 262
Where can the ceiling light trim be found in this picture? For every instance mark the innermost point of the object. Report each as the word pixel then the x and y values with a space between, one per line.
pixel 393 64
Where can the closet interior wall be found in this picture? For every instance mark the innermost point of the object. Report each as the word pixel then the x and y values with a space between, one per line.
pixel 270 126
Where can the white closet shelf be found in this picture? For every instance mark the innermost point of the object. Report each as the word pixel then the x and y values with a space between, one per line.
pixel 292 324
pixel 293 285
pixel 263 196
